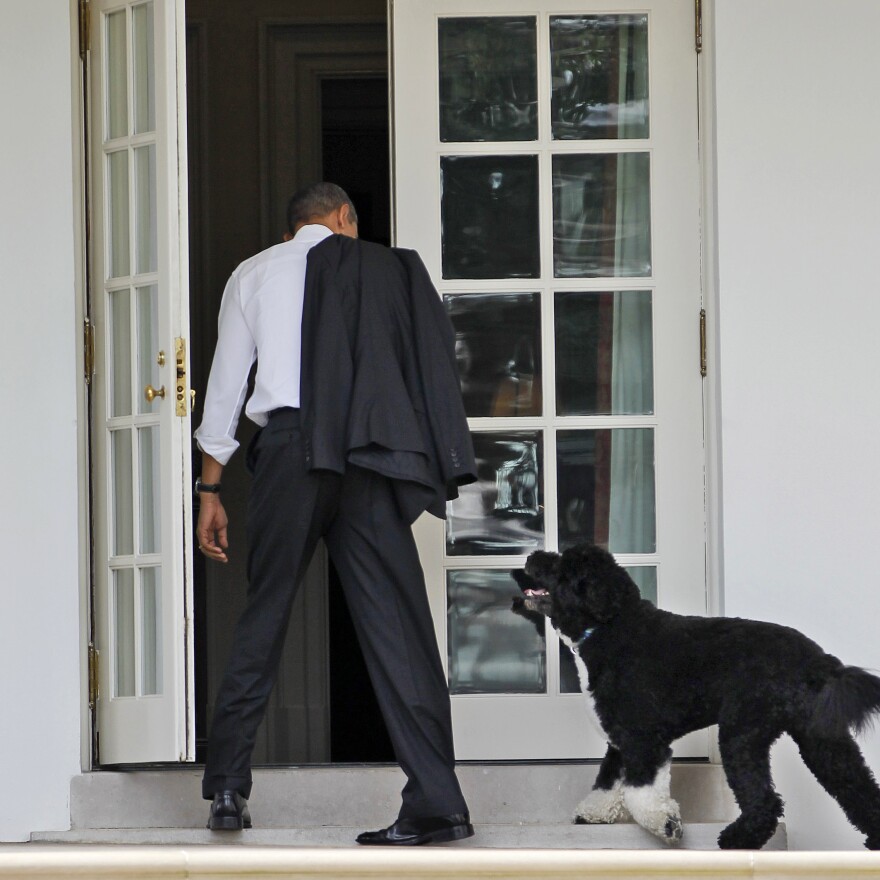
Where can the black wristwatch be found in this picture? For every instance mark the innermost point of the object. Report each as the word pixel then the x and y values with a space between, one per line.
pixel 213 488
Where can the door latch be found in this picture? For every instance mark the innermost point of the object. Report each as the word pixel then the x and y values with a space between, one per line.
pixel 180 386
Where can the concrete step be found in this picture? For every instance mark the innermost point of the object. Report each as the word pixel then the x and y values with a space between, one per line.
pixel 369 796
pixel 697 836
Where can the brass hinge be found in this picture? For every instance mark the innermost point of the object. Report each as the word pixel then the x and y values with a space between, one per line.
pixel 88 351
pixel 698 26
pixel 703 357
pixel 94 693
pixel 84 30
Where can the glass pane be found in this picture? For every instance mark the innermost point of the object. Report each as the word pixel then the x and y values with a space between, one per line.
pixel 491 650
pixel 606 488
pixel 121 491
pixel 123 619
pixel 117 228
pixel 601 215
pixel 148 345
pixel 498 350
pixel 117 75
pixel 488 79
pixel 144 78
pixel 151 654
pixel 604 353
pixel 120 353
pixel 645 577
pixel 600 76
pixel 489 214
pixel 503 512
pixel 148 446
pixel 145 207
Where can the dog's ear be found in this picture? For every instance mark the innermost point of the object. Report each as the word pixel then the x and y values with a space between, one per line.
pixel 543 568
pixel 604 587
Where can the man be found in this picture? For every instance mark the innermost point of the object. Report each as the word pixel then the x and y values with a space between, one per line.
pixel 352 351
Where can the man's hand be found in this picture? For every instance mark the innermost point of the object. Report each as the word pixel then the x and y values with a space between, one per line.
pixel 211 529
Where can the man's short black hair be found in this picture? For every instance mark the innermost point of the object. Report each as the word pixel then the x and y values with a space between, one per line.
pixel 317 200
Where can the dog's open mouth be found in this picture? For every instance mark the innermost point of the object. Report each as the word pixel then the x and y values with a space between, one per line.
pixel 532 592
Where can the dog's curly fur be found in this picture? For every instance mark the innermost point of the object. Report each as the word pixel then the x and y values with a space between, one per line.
pixel 655 676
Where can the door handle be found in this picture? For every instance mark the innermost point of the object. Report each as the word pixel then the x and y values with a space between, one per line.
pixel 152 393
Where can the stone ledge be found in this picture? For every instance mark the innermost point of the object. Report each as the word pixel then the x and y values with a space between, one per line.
pixel 438 863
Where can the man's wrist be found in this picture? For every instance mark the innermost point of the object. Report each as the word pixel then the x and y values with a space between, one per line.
pixel 202 488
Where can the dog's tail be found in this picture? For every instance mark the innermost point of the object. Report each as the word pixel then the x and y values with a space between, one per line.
pixel 848 701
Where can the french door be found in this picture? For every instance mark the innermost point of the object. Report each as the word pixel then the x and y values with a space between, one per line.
pixel 140 395
pixel 546 168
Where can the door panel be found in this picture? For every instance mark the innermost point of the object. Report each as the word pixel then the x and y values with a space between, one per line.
pixel 546 168
pixel 141 400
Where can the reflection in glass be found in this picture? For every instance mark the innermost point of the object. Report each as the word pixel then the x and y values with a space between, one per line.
pixel 118 226
pixel 645 577
pixel 145 202
pixel 604 353
pixel 489 216
pixel 491 650
pixel 601 215
pixel 120 462
pixel 151 654
pixel 503 512
pixel 123 620
pixel 142 39
pixel 498 350
pixel 116 75
pixel 488 79
pixel 120 353
pixel 147 345
pixel 606 488
pixel 599 76
pixel 148 453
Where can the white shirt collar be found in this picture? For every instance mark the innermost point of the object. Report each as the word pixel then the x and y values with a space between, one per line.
pixel 312 232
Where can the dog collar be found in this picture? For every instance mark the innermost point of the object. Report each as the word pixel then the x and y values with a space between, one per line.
pixel 587 633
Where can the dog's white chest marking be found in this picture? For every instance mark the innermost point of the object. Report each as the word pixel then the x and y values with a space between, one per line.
pixel 583 681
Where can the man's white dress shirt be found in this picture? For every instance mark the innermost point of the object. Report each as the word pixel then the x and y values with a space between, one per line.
pixel 260 318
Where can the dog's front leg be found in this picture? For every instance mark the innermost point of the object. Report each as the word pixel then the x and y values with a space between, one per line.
pixel 604 804
pixel 646 796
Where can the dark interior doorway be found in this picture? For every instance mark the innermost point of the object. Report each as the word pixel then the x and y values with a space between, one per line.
pixel 281 93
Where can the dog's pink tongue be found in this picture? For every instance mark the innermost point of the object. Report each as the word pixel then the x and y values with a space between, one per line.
pixel 531 592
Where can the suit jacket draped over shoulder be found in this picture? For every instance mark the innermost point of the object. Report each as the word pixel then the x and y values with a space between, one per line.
pixel 379 385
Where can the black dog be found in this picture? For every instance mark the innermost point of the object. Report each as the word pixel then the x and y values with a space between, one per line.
pixel 655 676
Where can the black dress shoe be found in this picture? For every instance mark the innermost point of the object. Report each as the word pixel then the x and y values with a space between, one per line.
pixel 414 832
pixel 229 812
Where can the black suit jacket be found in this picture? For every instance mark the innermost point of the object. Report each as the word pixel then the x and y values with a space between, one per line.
pixel 379 384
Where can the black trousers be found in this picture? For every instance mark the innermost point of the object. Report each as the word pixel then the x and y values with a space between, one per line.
pixel 374 552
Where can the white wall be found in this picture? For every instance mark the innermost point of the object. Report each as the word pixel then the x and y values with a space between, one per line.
pixel 798 205
pixel 39 620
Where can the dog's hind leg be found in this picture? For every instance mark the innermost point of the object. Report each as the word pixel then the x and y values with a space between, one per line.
pixel 746 759
pixel 841 770
pixel 646 779
pixel 604 804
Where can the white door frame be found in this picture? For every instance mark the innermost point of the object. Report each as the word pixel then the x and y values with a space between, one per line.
pixel 145 726
pixel 417 225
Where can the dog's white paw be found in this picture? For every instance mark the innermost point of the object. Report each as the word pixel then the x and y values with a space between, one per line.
pixel 602 807
pixel 654 809
pixel 665 825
